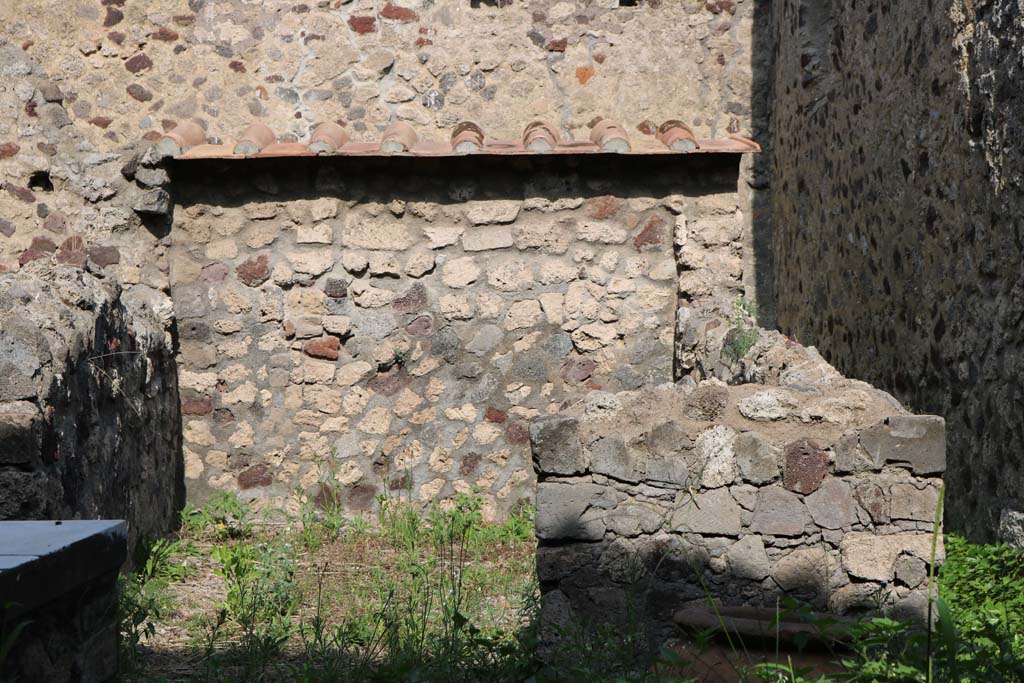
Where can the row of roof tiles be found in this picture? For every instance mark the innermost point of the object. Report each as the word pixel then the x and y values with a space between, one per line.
pixel 188 141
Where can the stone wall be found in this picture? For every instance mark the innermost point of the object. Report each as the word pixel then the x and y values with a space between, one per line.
pixel 89 413
pixel 134 70
pixel 370 326
pixel 897 204
pixel 808 486
pixel 131 68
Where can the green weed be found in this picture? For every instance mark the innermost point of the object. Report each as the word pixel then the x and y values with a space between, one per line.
pixel 744 332
pixel 144 596
pixel 224 516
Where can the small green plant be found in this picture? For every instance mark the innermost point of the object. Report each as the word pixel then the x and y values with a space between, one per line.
pixel 261 596
pixel 744 332
pixel 319 526
pixel 518 528
pixel 144 596
pixel 223 517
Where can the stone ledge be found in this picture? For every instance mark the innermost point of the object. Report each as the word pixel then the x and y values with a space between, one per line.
pixel 42 560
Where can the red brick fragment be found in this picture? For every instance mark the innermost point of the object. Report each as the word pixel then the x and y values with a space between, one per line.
pixel 647 127
pixel 237 66
pixel 165 34
pixel 8 150
pixel 139 62
pixel 31 255
pixel 423 42
pixel 397 13
pixel 517 433
pixel 73 243
pixel 197 406
pixel 557 45
pixel 413 301
pixel 101 121
pixel 104 256
pixel 43 244
pixel 323 347
pixel 22 193
pixel 152 135
pixel 804 465
pixel 72 258
pixel 494 415
pixel 113 17
pixel 257 475
pixel 255 271
pixel 603 207
pixel 362 24
pixel 599 57
pixel 653 235
pixel 719 6
pixel 584 74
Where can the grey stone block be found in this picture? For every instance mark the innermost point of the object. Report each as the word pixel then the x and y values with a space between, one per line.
pixel 564 511
pixel 713 513
pixel 610 456
pixel 633 519
pixel 851 457
pixel 747 559
pixel 556 445
pixel 757 459
pixel 23 352
pixel 669 452
pixel 155 201
pixel 778 512
pixel 917 441
pixel 152 177
pixel 19 442
pixel 832 505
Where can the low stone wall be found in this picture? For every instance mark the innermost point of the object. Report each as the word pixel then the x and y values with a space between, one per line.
pixel 812 487
pixel 370 326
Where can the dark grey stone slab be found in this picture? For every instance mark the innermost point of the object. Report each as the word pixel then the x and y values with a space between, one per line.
pixel 42 560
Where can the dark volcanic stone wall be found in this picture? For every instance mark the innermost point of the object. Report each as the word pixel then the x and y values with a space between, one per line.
pixel 89 413
pixel 897 218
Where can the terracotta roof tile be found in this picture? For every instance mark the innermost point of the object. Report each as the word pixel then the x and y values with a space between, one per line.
pixel 327 138
pixel 255 139
pixel 188 141
pixel 610 136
